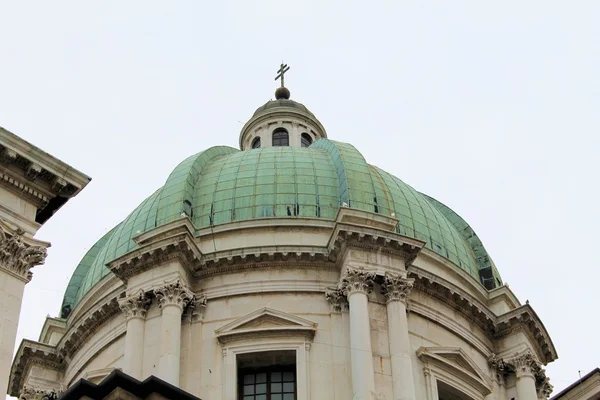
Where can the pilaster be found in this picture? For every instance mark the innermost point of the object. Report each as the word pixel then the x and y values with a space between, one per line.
pixel 355 285
pixel 396 289
pixel 16 260
pixel 135 308
pixel 172 299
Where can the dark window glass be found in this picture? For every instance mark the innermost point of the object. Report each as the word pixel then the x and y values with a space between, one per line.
pixel 268 384
pixel 256 143
pixel 305 140
pixel 281 138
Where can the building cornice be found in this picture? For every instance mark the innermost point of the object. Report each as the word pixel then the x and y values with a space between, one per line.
pixel 495 327
pixel 30 353
pixel 524 317
pixel 46 180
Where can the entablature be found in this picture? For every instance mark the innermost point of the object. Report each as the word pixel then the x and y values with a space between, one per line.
pixel 45 180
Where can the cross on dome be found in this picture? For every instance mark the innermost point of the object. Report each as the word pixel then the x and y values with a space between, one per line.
pixel 282 92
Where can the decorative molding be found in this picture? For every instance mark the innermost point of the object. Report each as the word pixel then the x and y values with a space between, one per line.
pixel 83 328
pixel 32 171
pixel 136 305
pixel 174 294
pixel 195 308
pixel 32 353
pixel 525 318
pixel 356 280
pixel 266 323
pixel 397 287
pixel 19 257
pixel 498 367
pixel 525 365
pixel 31 393
pixel 335 296
pixel 454 366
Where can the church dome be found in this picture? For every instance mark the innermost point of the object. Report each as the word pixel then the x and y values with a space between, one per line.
pixel 223 185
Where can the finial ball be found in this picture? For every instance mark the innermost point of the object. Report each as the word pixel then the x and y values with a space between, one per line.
pixel 282 93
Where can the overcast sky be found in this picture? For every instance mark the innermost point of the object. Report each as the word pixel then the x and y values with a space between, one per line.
pixel 490 107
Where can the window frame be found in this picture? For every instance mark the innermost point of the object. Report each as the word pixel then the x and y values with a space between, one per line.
pixel 268 371
pixel 286 139
pixel 305 137
pixel 254 141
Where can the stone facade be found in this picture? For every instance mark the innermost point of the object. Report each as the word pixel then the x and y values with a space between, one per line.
pixel 367 314
pixel 33 185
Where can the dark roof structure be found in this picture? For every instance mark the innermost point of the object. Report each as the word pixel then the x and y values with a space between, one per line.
pixel 120 380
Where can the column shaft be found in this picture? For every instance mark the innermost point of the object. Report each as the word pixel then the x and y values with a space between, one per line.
pixel 172 299
pixel 363 376
pixel 526 387
pixel 134 347
pixel 170 344
pixel 402 374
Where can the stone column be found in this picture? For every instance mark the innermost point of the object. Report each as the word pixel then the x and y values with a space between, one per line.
pixel 525 367
pixel 396 289
pixel 172 299
pixel 135 308
pixel 356 284
pixel 16 260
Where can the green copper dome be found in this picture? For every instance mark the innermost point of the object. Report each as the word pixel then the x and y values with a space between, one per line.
pixel 222 185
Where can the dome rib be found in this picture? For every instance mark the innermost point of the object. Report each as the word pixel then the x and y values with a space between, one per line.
pixel 180 184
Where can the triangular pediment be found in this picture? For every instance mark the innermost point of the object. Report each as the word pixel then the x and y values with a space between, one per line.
pixel 266 321
pixel 456 361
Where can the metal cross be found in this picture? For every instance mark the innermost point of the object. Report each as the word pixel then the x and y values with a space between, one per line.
pixel 282 70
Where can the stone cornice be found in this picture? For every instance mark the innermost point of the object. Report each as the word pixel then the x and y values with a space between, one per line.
pixel 40 162
pixel 467 305
pixel 362 229
pixel 82 329
pixel 253 256
pixel 180 246
pixel 524 317
pixel 476 311
pixel 38 175
pixel 30 353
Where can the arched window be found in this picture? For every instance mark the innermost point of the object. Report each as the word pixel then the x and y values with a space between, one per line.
pixel 256 143
pixel 305 140
pixel 281 137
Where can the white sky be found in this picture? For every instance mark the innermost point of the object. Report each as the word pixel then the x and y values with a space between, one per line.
pixel 490 107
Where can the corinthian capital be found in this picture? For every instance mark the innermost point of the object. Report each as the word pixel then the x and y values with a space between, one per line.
pixel 357 281
pixel 135 306
pixel 195 308
pixel 397 287
pixel 336 298
pixel 30 393
pixel 174 293
pixel 525 364
pixel 19 257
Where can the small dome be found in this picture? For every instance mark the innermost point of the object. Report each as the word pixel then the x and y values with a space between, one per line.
pixel 282 103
